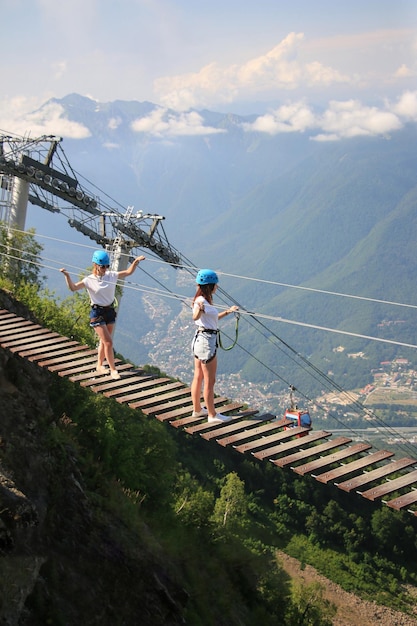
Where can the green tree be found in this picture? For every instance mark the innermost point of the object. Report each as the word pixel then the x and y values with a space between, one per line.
pixel 20 256
pixel 392 534
pixel 193 504
pixel 309 607
pixel 231 506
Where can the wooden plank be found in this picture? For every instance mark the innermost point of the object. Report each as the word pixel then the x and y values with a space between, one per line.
pixel 48 341
pixel 14 331
pixel 108 389
pixel 183 420
pixel 182 415
pixel 209 430
pixel 126 383
pixel 85 380
pixel 30 342
pixel 88 367
pixel 402 501
pixel 305 453
pixel 224 409
pixel 64 347
pixel 152 404
pixel 266 425
pixel 6 315
pixel 5 320
pixel 159 409
pixel 91 377
pixel 21 339
pixel 349 468
pixel 84 363
pixel 329 459
pixel 233 426
pixel 61 359
pixel 290 445
pixel 16 322
pixel 150 387
pixel 390 486
pixel 152 390
pixel 179 393
pixel 13 316
pixel 380 472
pixel 275 437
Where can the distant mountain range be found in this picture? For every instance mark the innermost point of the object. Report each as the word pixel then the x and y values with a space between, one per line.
pixel 335 216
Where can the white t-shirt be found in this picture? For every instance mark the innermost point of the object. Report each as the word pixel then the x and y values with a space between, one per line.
pixel 101 290
pixel 208 319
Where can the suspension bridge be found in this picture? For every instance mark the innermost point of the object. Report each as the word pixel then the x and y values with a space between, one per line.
pixel 354 467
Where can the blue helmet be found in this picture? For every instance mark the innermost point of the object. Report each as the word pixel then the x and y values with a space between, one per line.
pixel 206 277
pixel 100 257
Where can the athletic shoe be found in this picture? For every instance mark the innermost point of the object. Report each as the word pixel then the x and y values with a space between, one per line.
pixel 218 418
pixel 201 413
pixel 100 369
pixel 115 375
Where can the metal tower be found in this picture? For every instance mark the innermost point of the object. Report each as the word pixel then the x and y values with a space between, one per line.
pixel 38 171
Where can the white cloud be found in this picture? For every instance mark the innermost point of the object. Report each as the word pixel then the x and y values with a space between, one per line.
pixel 352 119
pixel 279 68
pixel 114 123
pixel 279 65
pixel 318 74
pixel 161 123
pixel 187 91
pixel 294 117
pixel 18 116
pixel 341 119
pixel 403 72
pixel 407 105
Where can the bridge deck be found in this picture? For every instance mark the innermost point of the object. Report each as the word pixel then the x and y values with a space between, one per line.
pixel 266 437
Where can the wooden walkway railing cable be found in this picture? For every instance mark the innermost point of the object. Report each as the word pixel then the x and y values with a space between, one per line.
pixel 373 475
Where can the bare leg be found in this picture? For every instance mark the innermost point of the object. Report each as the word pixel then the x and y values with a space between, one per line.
pixel 100 354
pixel 209 374
pixel 105 349
pixel 196 386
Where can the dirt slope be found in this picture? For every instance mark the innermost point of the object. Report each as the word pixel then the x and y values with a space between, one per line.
pixel 351 611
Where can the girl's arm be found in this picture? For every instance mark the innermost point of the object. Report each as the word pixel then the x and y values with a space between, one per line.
pixel 131 267
pixel 70 283
pixel 231 310
pixel 198 309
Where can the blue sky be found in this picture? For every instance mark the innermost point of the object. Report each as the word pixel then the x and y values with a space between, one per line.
pixel 339 68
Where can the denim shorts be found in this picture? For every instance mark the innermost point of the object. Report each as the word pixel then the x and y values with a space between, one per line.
pixel 102 315
pixel 204 346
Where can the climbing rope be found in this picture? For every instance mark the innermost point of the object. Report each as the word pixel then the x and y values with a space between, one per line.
pixel 237 317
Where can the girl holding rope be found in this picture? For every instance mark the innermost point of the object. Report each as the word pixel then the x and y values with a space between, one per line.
pixel 204 345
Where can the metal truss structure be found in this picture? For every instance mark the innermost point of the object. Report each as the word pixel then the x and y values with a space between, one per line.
pixel 38 171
